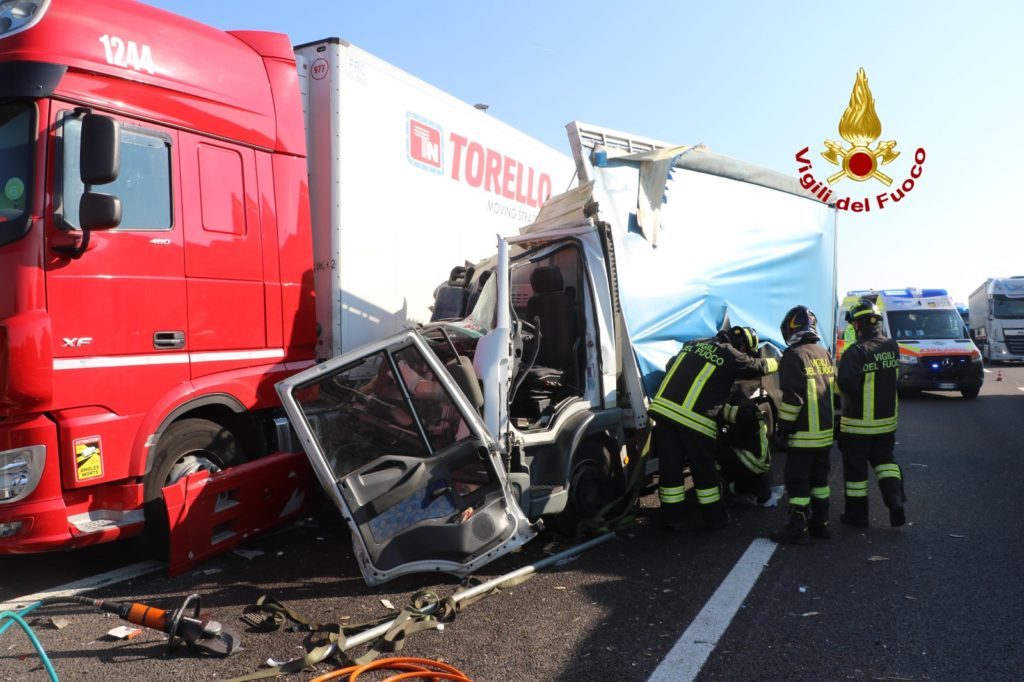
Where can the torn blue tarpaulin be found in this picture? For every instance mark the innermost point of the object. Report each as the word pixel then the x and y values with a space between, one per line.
pixel 736 240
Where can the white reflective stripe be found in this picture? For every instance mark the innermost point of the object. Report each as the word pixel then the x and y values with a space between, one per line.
pixel 267 354
pixel 166 359
pixel 120 361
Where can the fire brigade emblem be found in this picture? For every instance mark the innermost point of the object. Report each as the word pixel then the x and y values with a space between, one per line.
pixel 860 127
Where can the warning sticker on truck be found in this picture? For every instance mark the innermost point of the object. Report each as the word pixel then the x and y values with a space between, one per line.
pixel 88 458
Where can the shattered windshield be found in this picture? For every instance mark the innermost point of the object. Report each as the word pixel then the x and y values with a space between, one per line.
pixel 383 404
pixel 15 169
pixel 914 325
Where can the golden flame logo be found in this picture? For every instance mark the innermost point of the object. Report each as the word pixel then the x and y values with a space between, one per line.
pixel 860 127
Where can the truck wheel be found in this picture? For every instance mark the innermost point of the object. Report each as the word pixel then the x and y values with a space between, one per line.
pixel 590 486
pixel 970 393
pixel 186 447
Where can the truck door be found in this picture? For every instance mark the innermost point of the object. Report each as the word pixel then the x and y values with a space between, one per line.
pixel 406 458
pixel 118 310
pixel 223 252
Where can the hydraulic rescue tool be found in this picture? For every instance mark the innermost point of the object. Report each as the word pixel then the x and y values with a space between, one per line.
pixel 199 633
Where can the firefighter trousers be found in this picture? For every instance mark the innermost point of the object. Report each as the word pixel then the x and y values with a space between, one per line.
pixel 678 446
pixel 806 475
pixel 877 450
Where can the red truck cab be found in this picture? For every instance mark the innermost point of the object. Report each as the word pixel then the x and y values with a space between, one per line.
pixel 143 321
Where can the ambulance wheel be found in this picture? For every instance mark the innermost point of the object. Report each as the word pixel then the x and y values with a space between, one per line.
pixel 186 447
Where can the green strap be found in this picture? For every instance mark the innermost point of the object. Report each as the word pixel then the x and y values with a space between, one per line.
pixel 423 612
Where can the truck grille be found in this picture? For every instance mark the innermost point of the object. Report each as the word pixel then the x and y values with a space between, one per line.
pixel 1015 344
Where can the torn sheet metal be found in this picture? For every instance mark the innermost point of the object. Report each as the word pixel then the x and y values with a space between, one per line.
pixel 733 241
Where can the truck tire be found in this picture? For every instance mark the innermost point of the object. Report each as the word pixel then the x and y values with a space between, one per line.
pixel 970 393
pixel 186 447
pixel 591 486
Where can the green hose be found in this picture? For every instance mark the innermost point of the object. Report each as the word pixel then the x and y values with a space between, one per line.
pixel 11 617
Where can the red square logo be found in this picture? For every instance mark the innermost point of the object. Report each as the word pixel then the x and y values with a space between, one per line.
pixel 425 145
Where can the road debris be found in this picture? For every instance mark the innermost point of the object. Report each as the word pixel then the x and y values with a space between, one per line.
pixel 877 557
pixel 124 632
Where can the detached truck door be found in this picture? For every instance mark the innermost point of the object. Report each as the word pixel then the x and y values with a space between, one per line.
pixel 406 459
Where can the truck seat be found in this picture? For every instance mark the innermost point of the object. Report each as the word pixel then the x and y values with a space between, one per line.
pixel 556 312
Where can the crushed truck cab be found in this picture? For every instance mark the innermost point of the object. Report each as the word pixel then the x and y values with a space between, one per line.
pixel 526 396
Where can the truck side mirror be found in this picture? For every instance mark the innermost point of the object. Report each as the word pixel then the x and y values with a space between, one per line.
pixel 100 160
pixel 99 211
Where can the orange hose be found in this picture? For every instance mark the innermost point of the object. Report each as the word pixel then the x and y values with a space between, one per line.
pixel 417 668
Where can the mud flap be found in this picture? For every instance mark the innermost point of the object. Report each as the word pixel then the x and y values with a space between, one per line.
pixel 211 514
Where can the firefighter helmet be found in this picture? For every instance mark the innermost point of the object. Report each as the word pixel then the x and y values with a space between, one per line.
pixel 744 339
pixel 864 311
pixel 799 323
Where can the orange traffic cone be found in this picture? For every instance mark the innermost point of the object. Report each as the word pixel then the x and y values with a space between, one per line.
pixel 999 375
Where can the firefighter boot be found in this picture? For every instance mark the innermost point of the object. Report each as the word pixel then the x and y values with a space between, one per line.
pixel 892 494
pixel 856 512
pixel 795 530
pixel 715 516
pixel 818 525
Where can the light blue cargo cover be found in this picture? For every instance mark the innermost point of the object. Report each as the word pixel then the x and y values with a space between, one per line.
pixel 732 242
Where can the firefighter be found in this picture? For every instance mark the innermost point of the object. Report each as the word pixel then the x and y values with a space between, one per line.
pixel 867 428
pixel 685 410
pixel 805 428
pixel 744 458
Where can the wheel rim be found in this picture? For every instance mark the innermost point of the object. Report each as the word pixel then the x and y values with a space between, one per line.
pixel 199 460
pixel 587 489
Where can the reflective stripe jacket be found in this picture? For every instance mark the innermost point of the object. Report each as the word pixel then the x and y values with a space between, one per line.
pixel 746 433
pixel 699 380
pixel 807 377
pixel 868 372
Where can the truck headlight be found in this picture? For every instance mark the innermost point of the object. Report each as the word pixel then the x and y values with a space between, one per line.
pixel 908 359
pixel 16 15
pixel 20 471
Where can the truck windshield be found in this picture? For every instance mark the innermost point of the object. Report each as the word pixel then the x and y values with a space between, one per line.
pixel 1008 308
pixel 914 325
pixel 15 167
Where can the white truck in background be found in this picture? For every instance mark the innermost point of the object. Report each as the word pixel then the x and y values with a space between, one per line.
pixel 402 173
pixel 996 310
pixel 443 446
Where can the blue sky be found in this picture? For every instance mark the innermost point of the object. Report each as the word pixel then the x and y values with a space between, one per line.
pixel 757 81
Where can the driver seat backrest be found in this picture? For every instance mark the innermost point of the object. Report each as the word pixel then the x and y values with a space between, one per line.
pixel 557 314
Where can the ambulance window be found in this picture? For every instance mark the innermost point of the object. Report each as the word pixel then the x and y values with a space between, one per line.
pixel 15 169
pixel 143 185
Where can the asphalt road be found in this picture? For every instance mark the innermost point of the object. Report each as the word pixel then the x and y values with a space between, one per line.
pixel 938 599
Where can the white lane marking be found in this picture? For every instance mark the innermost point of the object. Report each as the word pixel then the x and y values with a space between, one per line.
pixel 987 370
pixel 86 584
pixel 687 657
pixel 1020 388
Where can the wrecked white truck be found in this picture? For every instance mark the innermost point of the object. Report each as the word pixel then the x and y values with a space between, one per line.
pixel 442 446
